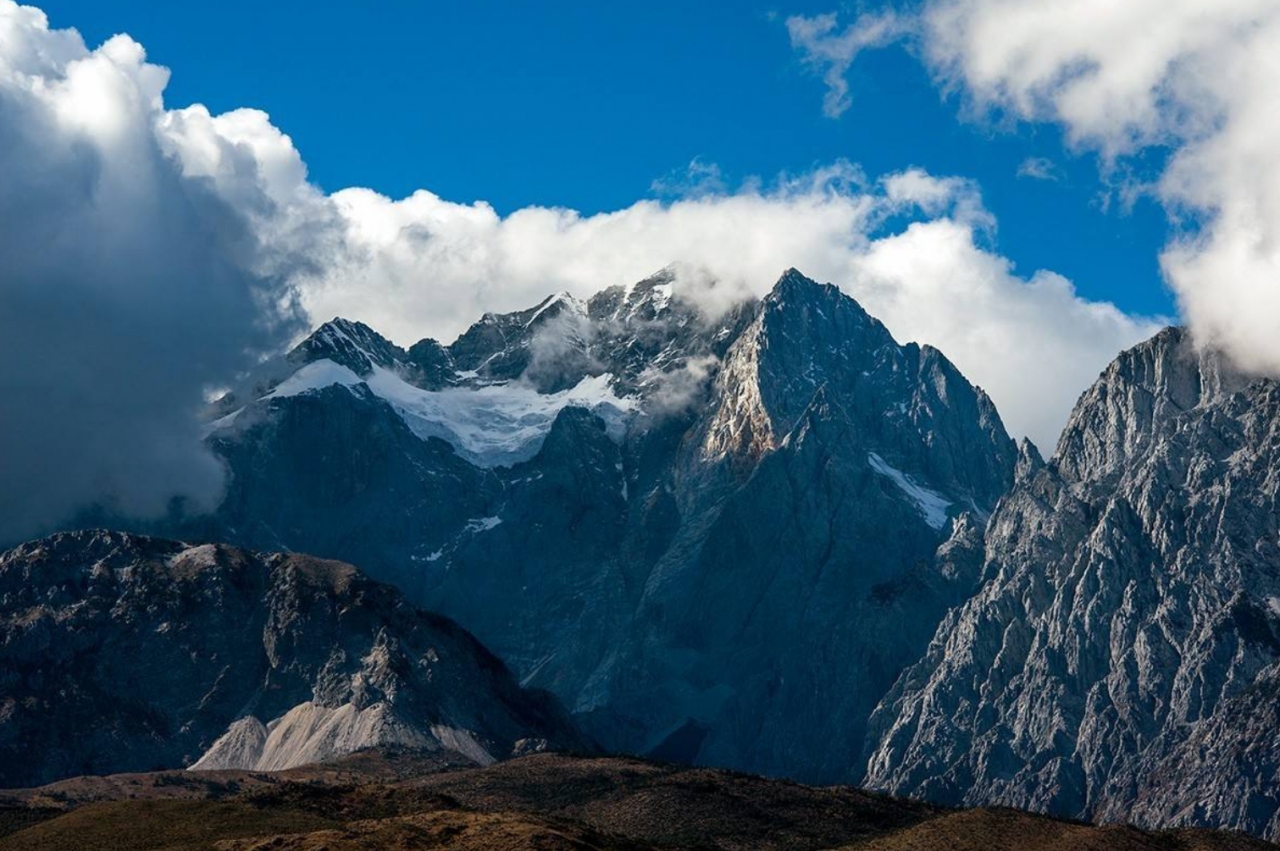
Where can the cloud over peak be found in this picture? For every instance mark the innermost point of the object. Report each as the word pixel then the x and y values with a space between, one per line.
pixel 155 253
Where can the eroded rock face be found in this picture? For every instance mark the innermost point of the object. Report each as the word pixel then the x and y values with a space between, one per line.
pixel 122 653
pixel 720 543
pixel 812 496
pixel 1119 660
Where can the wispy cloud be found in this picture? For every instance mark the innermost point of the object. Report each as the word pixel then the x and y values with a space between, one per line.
pixel 1040 168
pixel 830 51
pixel 697 178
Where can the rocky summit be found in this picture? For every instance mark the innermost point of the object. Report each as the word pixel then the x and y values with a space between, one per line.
pixel 1120 660
pixel 120 652
pixel 717 535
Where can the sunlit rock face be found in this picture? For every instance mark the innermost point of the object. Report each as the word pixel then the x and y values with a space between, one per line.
pixel 1120 658
pixel 126 653
pixel 715 537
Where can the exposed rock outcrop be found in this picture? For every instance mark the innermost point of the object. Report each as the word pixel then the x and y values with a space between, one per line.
pixel 122 653
pixel 1120 659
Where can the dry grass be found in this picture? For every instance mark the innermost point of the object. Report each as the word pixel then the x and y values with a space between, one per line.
pixel 540 803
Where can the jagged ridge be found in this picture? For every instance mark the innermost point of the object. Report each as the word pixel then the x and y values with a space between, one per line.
pixel 1118 660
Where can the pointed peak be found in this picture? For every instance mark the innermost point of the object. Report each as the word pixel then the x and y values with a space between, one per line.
pixel 350 343
pixel 350 329
pixel 794 288
pixel 793 277
pixel 345 324
pixel 555 305
pixel 665 275
pixel 1029 460
pixel 794 284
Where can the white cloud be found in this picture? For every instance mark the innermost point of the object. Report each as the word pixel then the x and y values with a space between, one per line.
pixel 126 286
pixel 1199 77
pixel 1040 168
pixel 831 52
pixel 1033 343
pixel 935 196
pixel 151 254
pixel 426 266
pixel 697 178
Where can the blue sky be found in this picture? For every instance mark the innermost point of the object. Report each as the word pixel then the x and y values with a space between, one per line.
pixel 586 104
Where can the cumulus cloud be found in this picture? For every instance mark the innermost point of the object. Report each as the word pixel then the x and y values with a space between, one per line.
pixel 1145 77
pixel 153 253
pixel 957 197
pixel 831 52
pixel 1033 343
pixel 126 286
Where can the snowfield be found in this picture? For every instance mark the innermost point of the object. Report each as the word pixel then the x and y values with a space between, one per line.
pixel 491 426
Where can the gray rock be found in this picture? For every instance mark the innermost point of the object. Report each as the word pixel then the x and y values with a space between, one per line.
pixel 735 577
pixel 127 653
pixel 1118 661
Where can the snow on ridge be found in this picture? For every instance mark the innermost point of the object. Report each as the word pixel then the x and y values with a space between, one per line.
pixel 220 423
pixel 662 297
pixel 551 301
pixel 493 425
pixel 931 504
pixel 314 376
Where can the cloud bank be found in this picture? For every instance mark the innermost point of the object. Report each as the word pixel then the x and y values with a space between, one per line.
pixel 153 254
pixel 1121 78
pixel 126 286
pixel 1141 78
pixel 423 266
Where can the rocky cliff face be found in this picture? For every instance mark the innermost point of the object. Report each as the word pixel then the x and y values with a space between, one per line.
pixel 125 653
pixel 1120 658
pixel 810 498
pixel 715 537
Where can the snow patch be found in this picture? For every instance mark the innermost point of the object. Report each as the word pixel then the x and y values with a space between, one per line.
pixel 931 504
pixel 573 303
pixel 315 376
pixel 481 524
pixel 220 423
pixel 491 426
pixel 661 297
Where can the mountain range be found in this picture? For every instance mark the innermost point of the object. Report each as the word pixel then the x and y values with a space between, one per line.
pixel 716 539
pixel 766 537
